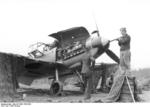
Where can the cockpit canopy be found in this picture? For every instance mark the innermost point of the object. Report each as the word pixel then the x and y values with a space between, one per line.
pixel 37 50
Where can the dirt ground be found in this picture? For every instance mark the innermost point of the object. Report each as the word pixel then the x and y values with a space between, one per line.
pixel 39 91
pixel 38 95
pixel 42 95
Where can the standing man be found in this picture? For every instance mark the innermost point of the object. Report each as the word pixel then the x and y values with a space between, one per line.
pixel 124 43
pixel 87 74
pixel 125 55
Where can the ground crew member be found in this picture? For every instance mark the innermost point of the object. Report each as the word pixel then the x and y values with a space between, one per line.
pixel 87 75
pixel 124 43
pixel 109 81
pixel 125 55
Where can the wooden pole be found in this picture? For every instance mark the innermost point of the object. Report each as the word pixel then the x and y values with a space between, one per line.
pixel 128 85
pixel 130 89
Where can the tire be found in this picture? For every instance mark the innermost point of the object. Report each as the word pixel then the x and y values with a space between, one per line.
pixel 56 88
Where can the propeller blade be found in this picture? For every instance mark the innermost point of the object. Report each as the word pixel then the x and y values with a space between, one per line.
pixel 97 29
pixel 112 56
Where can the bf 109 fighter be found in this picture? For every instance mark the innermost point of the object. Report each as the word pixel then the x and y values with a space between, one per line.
pixel 65 55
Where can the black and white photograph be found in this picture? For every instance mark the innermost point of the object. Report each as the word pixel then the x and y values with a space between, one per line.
pixel 74 51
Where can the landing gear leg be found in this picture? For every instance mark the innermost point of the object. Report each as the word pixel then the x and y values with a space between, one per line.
pixel 82 85
pixel 56 86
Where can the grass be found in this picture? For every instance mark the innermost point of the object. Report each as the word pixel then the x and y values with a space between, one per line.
pixel 143 78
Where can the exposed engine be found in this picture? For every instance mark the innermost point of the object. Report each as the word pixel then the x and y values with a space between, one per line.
pixel 70 51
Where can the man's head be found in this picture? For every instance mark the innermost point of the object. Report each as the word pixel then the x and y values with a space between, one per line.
pixel 123 31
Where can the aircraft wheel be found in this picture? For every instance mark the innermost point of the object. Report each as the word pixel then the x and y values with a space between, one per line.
pixel 56 88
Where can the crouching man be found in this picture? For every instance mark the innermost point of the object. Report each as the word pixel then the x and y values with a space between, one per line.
pixel 109 82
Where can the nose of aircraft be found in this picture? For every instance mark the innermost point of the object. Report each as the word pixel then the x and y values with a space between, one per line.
pixel 104 42
pixel 96 41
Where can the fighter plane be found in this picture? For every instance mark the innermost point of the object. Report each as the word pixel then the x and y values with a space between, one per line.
pixel 65 55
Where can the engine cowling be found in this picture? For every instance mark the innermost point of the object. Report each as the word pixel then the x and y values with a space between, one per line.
pixel 96 41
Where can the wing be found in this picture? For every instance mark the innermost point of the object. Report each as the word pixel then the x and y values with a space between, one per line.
pixel 36 69
pixel 42 68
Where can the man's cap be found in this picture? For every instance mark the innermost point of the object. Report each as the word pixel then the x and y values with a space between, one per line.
pixel 123 29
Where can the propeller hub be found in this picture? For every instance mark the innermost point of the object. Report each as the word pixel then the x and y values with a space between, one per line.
pixel 93 42
pixel 104 42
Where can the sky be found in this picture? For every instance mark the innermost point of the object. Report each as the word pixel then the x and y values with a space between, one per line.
pixel 25 22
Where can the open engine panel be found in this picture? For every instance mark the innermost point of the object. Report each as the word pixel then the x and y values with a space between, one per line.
pixel 70 51
pixel 71 42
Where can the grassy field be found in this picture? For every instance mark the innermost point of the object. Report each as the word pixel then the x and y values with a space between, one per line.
pixel 143 77
pixel 142 73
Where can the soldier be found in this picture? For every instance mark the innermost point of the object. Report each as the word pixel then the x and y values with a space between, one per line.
pixel 124 43
pixel 87 75
pixel 109 82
